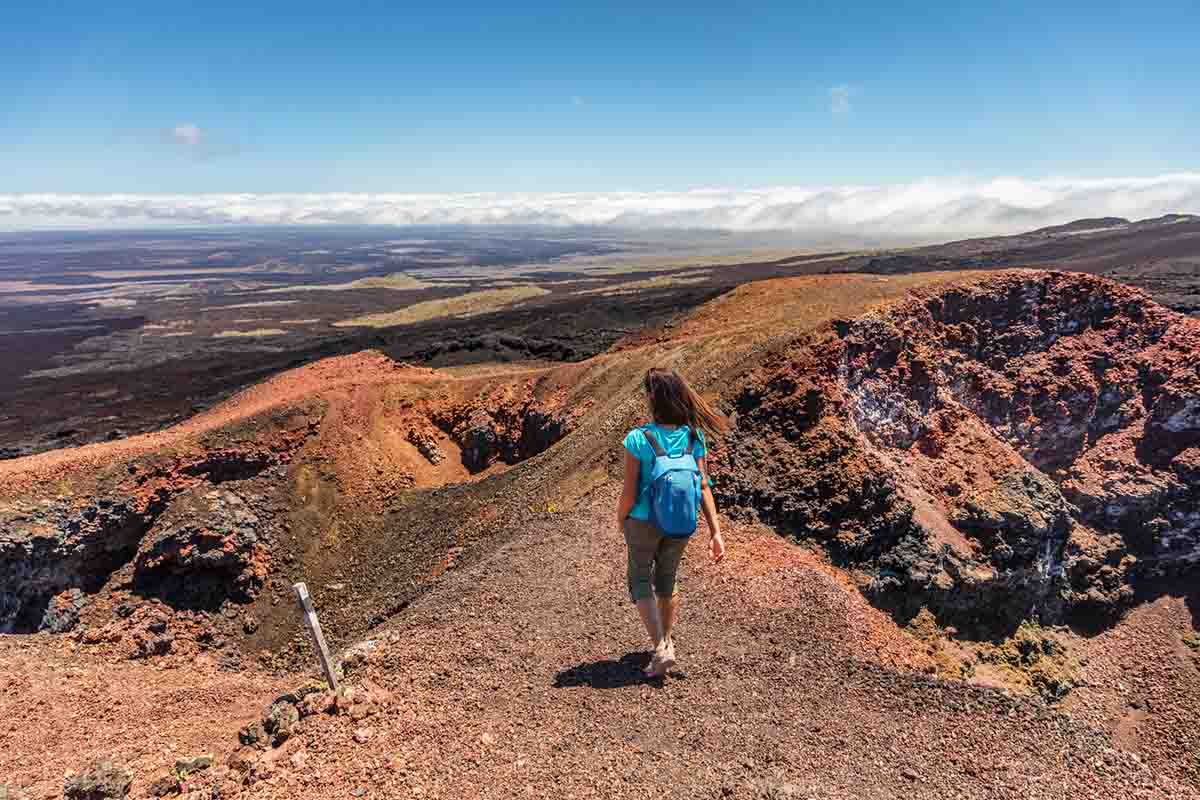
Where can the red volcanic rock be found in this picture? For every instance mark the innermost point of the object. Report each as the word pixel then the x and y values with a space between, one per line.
pixel 507 424
pixel 48 550
pixel 1021 446
pixel 426 443
pixel 206 535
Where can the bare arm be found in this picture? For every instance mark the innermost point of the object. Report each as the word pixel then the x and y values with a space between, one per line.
pixel 716 542
pixel 629 490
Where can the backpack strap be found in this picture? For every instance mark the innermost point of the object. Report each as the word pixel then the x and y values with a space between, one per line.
pixel 654 445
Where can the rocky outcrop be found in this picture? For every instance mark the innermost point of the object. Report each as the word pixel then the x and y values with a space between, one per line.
pixel 426 444
pixel 481 441
pixel 539 430
pixel 1020 446
pixel 204 548
pixel 509 347
pixel 62 613
pixel 195 549
pixel 219 466
pixel 502 428
pixel 47 550
pixel 103 780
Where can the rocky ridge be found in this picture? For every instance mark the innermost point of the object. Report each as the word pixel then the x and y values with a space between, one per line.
pixel 200 521
pixel 1023 447
pixel 793 682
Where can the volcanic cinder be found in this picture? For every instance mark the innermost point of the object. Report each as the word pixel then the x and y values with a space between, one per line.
pixel 983 450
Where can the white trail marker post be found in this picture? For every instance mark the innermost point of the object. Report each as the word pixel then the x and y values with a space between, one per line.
pixel 314 629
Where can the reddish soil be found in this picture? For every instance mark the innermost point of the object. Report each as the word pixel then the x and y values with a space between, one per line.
pixel 461 522
pixel 1140 680
pixel 520 674
pixel 62 706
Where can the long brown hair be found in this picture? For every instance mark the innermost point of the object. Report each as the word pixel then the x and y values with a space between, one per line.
pixel 673 402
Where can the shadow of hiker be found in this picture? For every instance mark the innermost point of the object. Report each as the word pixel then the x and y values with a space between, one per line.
pixel 608 674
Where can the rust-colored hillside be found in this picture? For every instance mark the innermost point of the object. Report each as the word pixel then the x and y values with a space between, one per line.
pixel 962 563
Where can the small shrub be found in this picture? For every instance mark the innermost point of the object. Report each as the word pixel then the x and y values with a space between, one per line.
pixel 924 626
pixel 1036 658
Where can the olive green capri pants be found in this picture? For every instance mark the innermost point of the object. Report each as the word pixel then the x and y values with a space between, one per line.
pixel 653 559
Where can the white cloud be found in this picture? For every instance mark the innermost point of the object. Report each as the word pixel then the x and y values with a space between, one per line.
pixel 201 144
pixel 839 99
pixel 186 134
pixel 925 210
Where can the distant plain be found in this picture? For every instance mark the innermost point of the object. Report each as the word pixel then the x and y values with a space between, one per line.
pixel 105 334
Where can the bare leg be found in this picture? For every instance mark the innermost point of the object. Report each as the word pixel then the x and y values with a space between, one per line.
pixel 667 606
pixel 648 611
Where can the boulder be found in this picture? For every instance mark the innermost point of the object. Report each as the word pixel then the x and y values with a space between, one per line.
pixel 253 735
pixel 280 721
pixel 243 759
pixel 62 613
pixel 206 546
pixel 192 764
pixel 102 780
pixel 324 702
pixel 426 445
pixel 163 785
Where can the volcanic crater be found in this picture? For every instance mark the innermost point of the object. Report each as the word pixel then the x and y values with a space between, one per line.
pixel 995 449
pixel 195 516
pixel 1022 447
pixel 987 450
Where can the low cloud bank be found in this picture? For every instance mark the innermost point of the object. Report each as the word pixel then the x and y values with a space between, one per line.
pixel 927 209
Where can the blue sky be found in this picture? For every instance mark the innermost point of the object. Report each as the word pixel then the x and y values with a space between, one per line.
pixel 544 97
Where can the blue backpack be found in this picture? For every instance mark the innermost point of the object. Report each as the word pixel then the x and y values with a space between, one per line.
pixel 675 489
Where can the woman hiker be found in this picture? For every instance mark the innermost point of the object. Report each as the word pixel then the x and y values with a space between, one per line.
pixel 666 486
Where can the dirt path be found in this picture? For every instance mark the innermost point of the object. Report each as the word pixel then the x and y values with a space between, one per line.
pixel 518 678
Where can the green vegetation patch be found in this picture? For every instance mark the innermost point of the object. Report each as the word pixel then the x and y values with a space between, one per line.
pixel 924 626
pixel 397 281
pixel 1035 657
pixel 257 333
pixel 463 305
